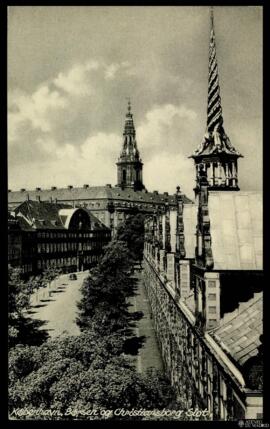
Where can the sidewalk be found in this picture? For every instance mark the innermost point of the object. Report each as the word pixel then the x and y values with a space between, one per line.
pixel 57 305
pixel 149 355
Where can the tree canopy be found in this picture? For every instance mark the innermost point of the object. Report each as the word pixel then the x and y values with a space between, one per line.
pixel 21 328
pixel 94 370
pixel 131 231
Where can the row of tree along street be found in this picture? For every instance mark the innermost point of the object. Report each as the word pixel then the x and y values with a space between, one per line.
pixel 85 376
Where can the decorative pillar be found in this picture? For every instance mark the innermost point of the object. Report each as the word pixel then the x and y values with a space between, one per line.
pixel 212 300
pixel 219 173
pixel 233 174
pixel 227 174
pixel 212 180
pixel 167 229
pixel 161 263
pixel 184 272
pixel 171 269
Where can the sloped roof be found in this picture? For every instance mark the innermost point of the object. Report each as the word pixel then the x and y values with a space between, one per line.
pixel 45 215
pixel 239 332
pixel 215 143
pixel 92 192
pixel 236 229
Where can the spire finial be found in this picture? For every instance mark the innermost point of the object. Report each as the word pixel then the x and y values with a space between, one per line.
pixel 215 133
pixel 129 104
pixel 212 17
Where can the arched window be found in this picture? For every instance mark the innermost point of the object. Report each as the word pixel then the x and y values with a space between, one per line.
pixel 124 175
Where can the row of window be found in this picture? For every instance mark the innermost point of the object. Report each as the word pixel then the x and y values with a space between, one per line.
pixel 14 253
pixel 47 234
pixel 65 247
pixel 26 268
pixel 118 204
pixel 64 262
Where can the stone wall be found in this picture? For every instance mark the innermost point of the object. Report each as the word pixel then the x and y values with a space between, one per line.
pixel 195 369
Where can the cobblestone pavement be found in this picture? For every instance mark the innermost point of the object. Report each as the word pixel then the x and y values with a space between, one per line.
pixel 58 307
pixel 149 354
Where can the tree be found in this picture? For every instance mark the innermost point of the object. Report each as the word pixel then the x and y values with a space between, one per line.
pixel 87 371
pixel 22 329
pixel 105 294
pixel 131 231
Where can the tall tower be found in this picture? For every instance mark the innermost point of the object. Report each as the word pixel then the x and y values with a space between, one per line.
pixel 129 165
pixel 215 156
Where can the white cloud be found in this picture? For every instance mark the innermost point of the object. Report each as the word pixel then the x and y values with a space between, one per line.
pixel 112 69
pixel 91 162
pixel 101 146
pixel 93 159
pixel 165 171
pixel 37 108
pixel 161 122
pixel 159 139
pixel 76 80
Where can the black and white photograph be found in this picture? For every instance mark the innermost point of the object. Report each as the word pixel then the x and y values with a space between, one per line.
pixel 135 214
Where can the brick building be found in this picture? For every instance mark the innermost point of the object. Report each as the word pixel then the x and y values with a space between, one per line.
pixel 46 234
pixel 204 278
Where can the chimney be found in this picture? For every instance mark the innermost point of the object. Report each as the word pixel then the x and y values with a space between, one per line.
pixel 38 189
pixel 51 199
pixel 108 185
pixel 166 193
pixel 53 188
pixel 155 192
pixel 38 198
pixel 70 186
pixel 86 186
pixel 22 189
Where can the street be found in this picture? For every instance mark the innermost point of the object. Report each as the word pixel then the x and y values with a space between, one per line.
pixel 58 306
pixel 149 355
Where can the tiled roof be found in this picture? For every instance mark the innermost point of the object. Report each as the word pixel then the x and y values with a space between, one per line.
pixel 236 230
pixel 44 215
pixel 239 332
pixel 92 192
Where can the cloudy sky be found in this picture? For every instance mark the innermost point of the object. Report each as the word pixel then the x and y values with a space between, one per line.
pixel 70 70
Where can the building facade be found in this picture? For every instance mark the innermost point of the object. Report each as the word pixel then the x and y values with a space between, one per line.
pixel 49 234
pixel 110 204
pixel 204 278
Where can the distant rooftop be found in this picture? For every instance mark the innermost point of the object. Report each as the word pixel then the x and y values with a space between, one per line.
pixel 34 215
pixel 91 192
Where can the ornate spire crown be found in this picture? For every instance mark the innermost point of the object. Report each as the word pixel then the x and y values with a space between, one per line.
pixel 129 145
pixel 215 138
pixel 215 158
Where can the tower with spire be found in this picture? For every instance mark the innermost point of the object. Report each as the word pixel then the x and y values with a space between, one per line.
pixel 129 165
pixel 215 158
